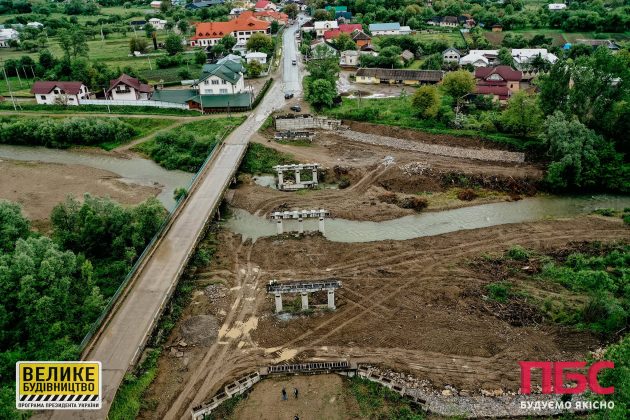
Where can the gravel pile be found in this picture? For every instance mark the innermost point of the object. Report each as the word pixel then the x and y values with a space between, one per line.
pixel 434 149
pixel 215 291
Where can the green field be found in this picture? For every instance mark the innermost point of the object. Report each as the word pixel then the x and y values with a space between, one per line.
pixel 557 35
pixel 104 12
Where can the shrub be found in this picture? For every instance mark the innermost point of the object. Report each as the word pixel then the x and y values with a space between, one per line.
pixel 499 292
pixel 467 194
pixel 518 253
pixel 415 203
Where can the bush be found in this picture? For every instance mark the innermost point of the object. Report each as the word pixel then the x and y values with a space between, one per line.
pixel 415 203
pixel 518 253
pixel 260 159
pixel 467 194
pixel 64 132
pixel 499 292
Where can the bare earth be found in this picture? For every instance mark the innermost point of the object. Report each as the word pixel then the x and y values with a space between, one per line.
pixel 414 306
pixel 38 187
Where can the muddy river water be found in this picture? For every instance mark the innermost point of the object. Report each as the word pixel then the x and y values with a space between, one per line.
pixel 434 223
pixel 134 170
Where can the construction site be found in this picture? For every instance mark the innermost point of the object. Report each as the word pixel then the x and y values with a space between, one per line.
pixel 368 257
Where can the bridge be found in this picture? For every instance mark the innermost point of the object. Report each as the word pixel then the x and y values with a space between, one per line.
pixel 119 342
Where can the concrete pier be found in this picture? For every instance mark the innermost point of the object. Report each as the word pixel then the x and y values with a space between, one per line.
pixel 322 228
pixel 331 298
pixel 304 301
pixel 299 215
pixel 279 227
pixel 278 302
pixel 297 183
pixel 300 226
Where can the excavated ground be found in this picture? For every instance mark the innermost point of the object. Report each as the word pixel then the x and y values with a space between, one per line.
pixel 414 306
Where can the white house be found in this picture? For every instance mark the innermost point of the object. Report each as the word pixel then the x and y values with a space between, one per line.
pixel 35 25
pixel 392 28
pixel 59 93
pixel 451 55
pixel 524 56
pixel 127 88
pixel 263 5
pixel 349 58
pixel 157 23
pixel 8 35
pixel 156 4
pixel 222 78
pixel 322 26
pixel 557 6
pixel 405 30
pixel 256 56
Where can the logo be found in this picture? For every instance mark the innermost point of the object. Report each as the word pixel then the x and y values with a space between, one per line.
pixel 554 375
pixel 58 385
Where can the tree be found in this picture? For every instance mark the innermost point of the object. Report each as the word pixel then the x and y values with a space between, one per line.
pixel 228 42
pixel 275 26
pixel 183 26
pixel 321 93
pixel 426 101
pixel 344 42
pixel 137 43
pixel 254 68
pixel 321 14
pixel 184 74
pixel 458 84
pixel 505 57
pixel 522 115
pixel 291 10
pixel 12 225
pixel 201 57
pixel 149 30
pixel 260 42
pixel 173 44
pixel 165 5
pixel 72 42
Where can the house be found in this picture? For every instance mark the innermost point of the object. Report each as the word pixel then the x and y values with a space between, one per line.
pixel 497 28
pixel 501 82
pixel 349 58
pixel 236 11
pixel 224 77
pixel 270 16
pixel 322 26
pixel 59 93
pixel 263 5
pixel 201 4
pixel 8 35
pixel 156 4
pixel 392 28
pixel 256 56
pixel 343 28
pixel 35 25
pixel 396 76
pixel 127 88
pixel 241 27
pixel 444 21
pixel 407 56
pixel 451 55
pixel 361 38
pixel 524 56
pixel 157 23
pixel 557 6
pixel 137 22
pixel 335 9
pixel 611 45
pixel 466 21
pixel 479 58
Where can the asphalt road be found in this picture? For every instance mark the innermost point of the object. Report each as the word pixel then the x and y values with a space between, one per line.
pixel 119 344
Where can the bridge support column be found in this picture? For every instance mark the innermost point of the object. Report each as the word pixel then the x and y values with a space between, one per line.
pixel 278 302
pixel 280 180
pixel 304 301
pixel 298 180
pixel 300 226
pixel 279 227
pixel 315 176
pixel 331 299
pixel 321 225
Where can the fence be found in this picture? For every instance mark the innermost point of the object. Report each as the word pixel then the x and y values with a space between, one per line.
pixel 107 311
pixel 155 104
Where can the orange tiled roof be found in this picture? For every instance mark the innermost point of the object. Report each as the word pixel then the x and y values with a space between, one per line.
pixel 244 22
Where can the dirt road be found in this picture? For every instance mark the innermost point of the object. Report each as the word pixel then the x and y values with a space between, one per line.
pixel 403 304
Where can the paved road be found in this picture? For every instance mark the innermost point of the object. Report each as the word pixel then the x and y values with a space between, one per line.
pixel 120 343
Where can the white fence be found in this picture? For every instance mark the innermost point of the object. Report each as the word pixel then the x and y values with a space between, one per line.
pixel 155 104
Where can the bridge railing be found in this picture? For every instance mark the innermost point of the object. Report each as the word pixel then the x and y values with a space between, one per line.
pixel 102 320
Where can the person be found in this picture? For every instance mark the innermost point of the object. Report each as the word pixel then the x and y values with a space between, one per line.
pixel 284 394
pixel 296 417
pixel 295 393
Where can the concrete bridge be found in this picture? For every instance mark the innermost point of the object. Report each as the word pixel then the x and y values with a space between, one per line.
pixel 119 343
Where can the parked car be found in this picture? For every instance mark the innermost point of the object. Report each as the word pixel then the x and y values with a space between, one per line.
pixel 294 62
pixel 296 108
pixel 288 95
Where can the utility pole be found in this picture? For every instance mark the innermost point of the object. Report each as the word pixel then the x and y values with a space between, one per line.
pixel 9 87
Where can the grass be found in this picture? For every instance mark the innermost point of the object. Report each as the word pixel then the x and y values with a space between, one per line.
pixel 187 147
pixel 378 402
pixel 19 87
pixel 559 37
pixel 261 160
pixel 399 112
pixel 143 127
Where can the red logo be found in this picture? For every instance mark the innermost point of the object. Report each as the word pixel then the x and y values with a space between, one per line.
pixel 554 375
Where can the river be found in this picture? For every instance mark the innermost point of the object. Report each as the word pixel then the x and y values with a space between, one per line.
pixel 434 223
pixel 134 170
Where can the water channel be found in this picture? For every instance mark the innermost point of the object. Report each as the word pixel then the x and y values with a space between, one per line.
pixel 434 223
pixel 134 170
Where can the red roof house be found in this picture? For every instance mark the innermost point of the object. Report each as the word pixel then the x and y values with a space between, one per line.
pixel 128 88
pixel 500 81
pixel 59 93
pixel 264 5
pixel 241 27
pixel 346 28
